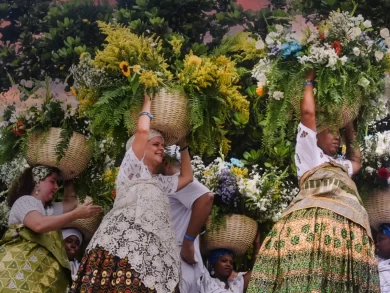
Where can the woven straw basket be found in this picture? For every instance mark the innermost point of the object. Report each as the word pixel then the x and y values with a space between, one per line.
pixel 237 235
pixel 346 112
pixel 170 111
pixel 88 226
pixel 41 151
pixel 377 205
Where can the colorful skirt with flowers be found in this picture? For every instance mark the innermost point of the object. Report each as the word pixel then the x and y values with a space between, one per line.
pixel 318 251
pixel 101 271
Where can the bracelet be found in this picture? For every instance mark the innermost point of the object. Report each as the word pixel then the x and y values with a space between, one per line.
pixel 308 83
pixel 147 114
pixel 183 149
pixel 192 239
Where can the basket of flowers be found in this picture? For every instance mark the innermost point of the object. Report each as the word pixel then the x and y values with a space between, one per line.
pixel 349 56
pixel 191 95
pixel 374 181
pixel 243 199
pixel 40 121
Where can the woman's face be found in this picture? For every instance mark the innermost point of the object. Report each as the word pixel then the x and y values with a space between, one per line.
pixel 383 245
pixel 154 152
pixel 72 246
pixel 224 267
pixel 328 142
pixel 48 187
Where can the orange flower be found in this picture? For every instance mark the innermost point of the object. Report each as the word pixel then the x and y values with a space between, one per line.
pixel 337 47
pixel 113 193
pixel 18 128
pixel 73 90
pixel 260 91
pixel 124 66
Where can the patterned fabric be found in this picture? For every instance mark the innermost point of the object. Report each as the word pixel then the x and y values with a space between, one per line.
pixel 308 155
pixel 318 251
pixel 328 186
pixel 32 262
pixel 138 228
pixel 104 272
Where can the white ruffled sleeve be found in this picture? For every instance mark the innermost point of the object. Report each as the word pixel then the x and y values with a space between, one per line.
pixel 168 183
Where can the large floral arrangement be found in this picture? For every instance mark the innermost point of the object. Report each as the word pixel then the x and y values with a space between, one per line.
pixel 33 107
pixel 261 194
pixel 112 85
pixel 349 56
pixel 375 171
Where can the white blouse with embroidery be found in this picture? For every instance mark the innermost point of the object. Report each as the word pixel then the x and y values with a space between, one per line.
pixel 308 155
pixel 213 285
pixel 139 225
pixel 27 203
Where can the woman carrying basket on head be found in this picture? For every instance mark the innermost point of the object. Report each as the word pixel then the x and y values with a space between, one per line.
pixel 135 248
pixel 32 254
pixel 323 242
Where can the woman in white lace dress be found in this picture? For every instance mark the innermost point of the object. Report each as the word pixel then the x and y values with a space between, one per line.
pixel 134 249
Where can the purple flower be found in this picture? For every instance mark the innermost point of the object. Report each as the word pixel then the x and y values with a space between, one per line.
pixel 227 188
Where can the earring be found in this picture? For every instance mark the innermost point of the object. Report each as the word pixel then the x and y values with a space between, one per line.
pixel 37 191
pixel 212 272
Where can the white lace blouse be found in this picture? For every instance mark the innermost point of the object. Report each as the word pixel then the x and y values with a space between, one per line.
pixel 27 203
pixel 139 225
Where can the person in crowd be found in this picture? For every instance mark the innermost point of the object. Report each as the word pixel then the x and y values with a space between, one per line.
pixel 221 276
pixel 190 208
pixel 323 242
pixel 32 254
pixel 383 256
pixel 72 242
pixel 134 248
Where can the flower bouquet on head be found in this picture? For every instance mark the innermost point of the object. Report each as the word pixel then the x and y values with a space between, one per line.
pixel 29 112
pixel 196 94
pixel 350 59
pixel 242 198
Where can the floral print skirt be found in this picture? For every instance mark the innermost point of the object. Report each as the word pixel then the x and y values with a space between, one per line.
pixel 318 251
pixel 101 272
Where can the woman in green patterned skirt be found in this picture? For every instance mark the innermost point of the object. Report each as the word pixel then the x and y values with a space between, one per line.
pixel 323 242
pixel 32 254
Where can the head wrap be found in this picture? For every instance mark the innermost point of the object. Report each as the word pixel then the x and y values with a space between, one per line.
pixel 217 253
pixel 173 152
pixel 152 133
pixel 385 229
pixel 72 232
pixel 39 173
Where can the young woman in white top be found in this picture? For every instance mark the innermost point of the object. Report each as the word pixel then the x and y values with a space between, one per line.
pixel 32 255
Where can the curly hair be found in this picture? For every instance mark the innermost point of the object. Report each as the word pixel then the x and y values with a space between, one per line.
pixel 24 185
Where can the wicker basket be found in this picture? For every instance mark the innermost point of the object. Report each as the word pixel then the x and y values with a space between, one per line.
pixel 41 151
pixel 378 207
pixel 87 226
pixel 346 112
pixel 170 111
pixel 237 234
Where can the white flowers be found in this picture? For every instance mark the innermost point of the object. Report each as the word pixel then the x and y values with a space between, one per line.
pixel 260 44
pixel 367 24
pixel 355 32
pixel 260 71
pixel 271 37
pixel 277 95
pixel 320 54
pixel 379 55
pixel 356 51
pixel 385 33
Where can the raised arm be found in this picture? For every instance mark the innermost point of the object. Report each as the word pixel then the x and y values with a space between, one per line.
pixel 308 106
pixel 70 199
pixel 186 175
pixel 143 128
pixel 42 224
pixel 353 150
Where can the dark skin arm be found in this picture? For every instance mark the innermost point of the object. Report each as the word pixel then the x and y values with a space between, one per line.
pixel 353 151
pixel 200 212
pixel 308 106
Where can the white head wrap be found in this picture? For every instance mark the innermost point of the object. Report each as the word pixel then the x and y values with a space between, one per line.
pixel 173 152
pixel 72 232
pixel 152 133
pixel 39 173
